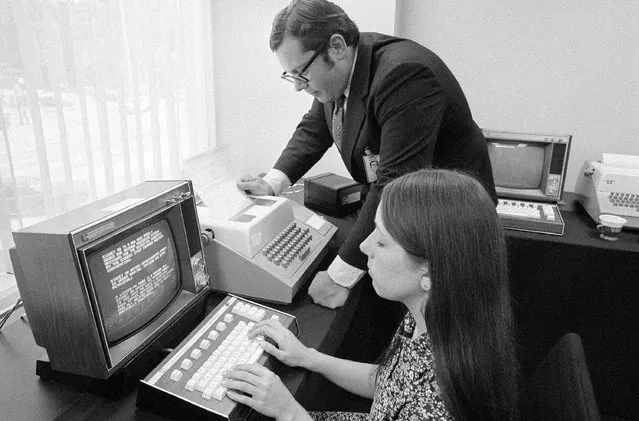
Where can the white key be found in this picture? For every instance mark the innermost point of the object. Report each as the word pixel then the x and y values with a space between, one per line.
pixel 201 385
pixel 219 393
pixel 549 212
pixel 228 318
pixel 213 335
pixel 176 375
pixel 186 364
pixel 208 393
pixel 259 315
pixel 190 385
pixel 255 355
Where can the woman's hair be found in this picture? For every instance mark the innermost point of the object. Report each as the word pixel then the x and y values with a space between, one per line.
pixel 448 219
pixel 312 22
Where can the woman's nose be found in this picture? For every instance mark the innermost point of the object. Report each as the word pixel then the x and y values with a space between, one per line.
pixel 364 245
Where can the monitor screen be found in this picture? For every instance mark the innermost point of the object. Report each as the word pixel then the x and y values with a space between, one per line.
pixel 134 278
pixel 517 165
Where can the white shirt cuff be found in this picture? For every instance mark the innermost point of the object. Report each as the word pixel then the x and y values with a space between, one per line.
pixel 344 274
pixel 277 180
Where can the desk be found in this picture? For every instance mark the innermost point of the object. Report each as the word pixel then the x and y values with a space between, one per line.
pixel 581 283
pixel 576 282
pixel 23 396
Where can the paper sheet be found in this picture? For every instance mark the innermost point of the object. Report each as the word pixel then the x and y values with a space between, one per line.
pixel 621 161
pixel 214 175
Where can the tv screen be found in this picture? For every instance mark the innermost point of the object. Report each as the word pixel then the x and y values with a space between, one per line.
pixel 134 279
pixel 517 165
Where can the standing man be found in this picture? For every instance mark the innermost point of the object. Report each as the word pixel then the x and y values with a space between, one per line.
pixel 21 101
pixel 378 98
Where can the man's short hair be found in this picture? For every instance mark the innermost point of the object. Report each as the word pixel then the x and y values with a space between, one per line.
pixel 312 22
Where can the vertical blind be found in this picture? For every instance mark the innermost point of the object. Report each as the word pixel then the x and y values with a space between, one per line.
pixel 96 96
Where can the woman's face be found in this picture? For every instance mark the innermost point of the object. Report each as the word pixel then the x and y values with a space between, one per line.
pixel 396 276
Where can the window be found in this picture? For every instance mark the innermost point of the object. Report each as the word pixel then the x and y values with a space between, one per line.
pixel 96 96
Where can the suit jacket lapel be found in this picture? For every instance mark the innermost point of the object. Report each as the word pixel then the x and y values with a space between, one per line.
pixel 355 107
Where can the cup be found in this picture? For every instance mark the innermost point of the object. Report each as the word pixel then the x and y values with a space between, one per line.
pixel 610 226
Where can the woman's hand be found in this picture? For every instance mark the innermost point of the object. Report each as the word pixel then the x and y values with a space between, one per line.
pixel 289 349
pixel 258 387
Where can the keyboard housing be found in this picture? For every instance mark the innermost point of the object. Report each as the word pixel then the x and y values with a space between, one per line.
pixel 165 389
pixel 528 216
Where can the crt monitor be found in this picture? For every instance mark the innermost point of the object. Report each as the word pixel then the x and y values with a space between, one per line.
pixel 528 166
pixel 107 282
pixel 133 279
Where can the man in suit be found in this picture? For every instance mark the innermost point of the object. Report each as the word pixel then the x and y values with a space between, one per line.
pixel 402 107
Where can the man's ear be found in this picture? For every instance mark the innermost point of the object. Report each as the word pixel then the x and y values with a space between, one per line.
pixel 337 45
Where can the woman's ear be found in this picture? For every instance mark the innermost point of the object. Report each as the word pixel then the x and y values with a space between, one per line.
pixel 425 281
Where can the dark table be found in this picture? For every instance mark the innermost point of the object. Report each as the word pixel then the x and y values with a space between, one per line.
pixel 24 396
pixel 576 282
pixel 581 283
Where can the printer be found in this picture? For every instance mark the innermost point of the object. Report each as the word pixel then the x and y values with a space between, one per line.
pixel 611 186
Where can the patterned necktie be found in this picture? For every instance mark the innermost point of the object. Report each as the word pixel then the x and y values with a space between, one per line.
pixel 338 121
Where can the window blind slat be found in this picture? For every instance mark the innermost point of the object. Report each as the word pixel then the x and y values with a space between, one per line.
pixel 12 183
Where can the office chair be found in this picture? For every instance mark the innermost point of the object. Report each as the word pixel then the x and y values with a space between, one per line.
pixel 560 387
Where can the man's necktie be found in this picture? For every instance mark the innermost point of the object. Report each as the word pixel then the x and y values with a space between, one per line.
pixel 338 121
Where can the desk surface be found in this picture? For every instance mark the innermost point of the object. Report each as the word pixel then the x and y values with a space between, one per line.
pixel 581 230
pixel 581 283
pixel 561 295
pixel 24 396
pixel 27 397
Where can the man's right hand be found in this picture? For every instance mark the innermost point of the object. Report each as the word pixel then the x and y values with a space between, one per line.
pixel 325 292
pixel 254 185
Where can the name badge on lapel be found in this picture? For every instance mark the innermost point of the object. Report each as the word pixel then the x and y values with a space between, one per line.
pixel 371 165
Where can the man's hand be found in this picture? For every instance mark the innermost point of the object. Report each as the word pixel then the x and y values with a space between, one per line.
pixel 254 185
pixel 327 293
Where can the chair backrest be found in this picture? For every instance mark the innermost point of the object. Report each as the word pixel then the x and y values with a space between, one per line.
pixel 560 387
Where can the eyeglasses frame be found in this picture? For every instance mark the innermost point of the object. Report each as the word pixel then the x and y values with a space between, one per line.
pixel 298 77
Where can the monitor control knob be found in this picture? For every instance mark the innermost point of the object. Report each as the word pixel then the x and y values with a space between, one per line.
pixel 207 236
pixel 202 280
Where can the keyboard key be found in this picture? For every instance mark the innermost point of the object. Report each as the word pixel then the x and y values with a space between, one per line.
pixel 176 375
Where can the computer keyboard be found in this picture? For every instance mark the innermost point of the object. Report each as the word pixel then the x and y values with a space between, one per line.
pixel 530 216
pixel 187 381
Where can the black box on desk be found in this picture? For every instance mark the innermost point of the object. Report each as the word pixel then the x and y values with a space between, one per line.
pixel 332 194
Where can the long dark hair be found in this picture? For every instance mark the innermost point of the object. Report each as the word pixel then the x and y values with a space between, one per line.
pixel 447 218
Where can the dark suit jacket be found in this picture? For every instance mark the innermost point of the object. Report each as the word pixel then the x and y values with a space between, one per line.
pixel 405 105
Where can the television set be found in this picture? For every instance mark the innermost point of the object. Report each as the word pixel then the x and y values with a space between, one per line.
pixel 528 166
pixel 107 283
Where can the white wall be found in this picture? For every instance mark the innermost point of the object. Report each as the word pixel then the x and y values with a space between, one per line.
pixel 568 66
pixel 256 110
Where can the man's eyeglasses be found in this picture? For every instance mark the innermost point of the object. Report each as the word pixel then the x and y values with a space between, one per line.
pixel 298 76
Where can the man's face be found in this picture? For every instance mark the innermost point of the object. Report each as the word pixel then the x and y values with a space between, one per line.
pixel 326 80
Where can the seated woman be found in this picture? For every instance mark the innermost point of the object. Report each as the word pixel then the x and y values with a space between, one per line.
pixel 438 247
